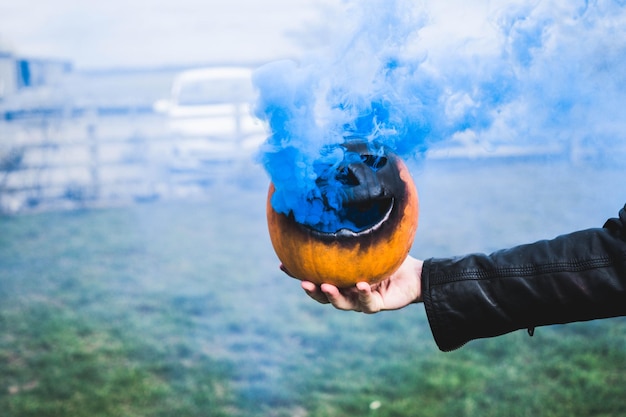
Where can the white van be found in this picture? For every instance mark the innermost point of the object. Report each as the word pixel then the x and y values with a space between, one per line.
pixel 209 112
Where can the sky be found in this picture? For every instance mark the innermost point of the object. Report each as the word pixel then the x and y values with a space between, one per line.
pixel 148 33
pixel 145 33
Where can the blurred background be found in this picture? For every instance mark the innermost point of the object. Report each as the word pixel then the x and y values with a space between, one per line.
pixel 136 273
pixel 94 107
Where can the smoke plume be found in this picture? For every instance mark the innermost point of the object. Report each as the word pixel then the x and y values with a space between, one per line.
pixel 403 75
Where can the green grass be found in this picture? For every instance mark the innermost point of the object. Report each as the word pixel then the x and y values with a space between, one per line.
pixel 179 309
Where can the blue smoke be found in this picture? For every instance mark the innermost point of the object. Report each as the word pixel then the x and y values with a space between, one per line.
pixel 548 72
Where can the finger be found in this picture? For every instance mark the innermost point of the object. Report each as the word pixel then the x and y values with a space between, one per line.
pixel 369 303
pixel 314 292
pixel 337 299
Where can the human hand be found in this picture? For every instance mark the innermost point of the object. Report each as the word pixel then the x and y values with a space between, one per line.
pixel 402 288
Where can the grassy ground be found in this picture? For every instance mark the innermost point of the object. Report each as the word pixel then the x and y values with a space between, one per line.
pixel 178 309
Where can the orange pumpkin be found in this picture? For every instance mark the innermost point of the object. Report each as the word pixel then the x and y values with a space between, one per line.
pixel 386 193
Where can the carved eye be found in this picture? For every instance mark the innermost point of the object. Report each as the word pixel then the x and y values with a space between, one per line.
pixel 373 161
pixel 346 176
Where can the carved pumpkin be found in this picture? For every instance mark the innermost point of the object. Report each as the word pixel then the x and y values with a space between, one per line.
pixel 383 202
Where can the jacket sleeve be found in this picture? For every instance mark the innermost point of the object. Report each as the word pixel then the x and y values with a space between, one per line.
pixel 575 277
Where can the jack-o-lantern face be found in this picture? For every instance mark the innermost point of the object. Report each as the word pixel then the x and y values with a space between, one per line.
pixel 380 205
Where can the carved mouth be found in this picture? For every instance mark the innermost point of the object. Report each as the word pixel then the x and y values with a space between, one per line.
pixel 364 217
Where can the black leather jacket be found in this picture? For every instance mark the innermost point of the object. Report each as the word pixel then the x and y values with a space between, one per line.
pixel 575 277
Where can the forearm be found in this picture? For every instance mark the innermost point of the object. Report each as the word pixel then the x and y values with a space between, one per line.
pixel 575 277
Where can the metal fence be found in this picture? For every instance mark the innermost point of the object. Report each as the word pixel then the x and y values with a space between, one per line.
pixel 96 158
